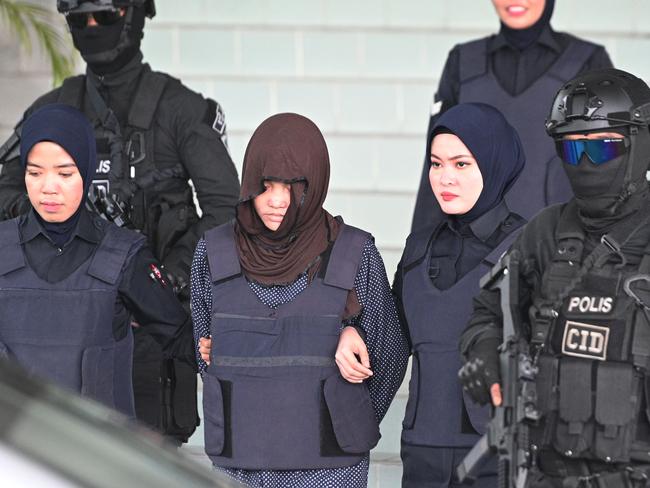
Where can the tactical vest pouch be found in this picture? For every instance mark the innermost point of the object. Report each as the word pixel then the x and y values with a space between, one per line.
pixel 97 370
pixel 547 392
pixel 214 413
pixel 616 398
pixel 574 431
pixel 414 393
pixel 172 224
pixel 353 418
pixel 641 339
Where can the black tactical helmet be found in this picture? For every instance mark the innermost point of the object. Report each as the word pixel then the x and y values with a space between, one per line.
pixel 599 100
pixel 83 6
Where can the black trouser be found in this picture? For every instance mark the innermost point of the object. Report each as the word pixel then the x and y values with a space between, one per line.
pixel 433 467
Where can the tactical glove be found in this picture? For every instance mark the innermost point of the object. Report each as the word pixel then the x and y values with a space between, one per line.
pixel 481 370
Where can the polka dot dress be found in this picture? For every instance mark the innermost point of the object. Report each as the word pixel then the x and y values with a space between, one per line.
pixel 387 348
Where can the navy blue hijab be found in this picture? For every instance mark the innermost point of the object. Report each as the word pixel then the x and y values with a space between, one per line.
pixel 70 129
pixel 495 145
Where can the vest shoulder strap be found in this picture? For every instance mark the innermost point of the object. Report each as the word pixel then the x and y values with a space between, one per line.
pixel 222 252
pixel 492 258
pixel 345 257
pixel 72 91
pixel 473 59
pixel 572 59
pixel 146 100
pixel 417 245
pixel 11 251
pixel 112 253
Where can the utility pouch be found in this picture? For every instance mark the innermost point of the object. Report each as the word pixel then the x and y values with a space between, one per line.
pixel 353 418
pixel 616 399
pixel 574 431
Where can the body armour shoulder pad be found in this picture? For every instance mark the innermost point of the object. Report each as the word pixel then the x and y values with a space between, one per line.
pixel 473 59
pixel 416 245
pixel 115 249
pixel 10 249
pixel 222 252
pixel 345 257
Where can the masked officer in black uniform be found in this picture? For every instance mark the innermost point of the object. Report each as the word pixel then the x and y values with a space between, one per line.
pixel 153 136
pixel 517 71
pixel 585 294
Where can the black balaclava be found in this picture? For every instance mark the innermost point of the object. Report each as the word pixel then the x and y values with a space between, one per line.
pixel 522 38
pixel 70 129
pixel 495 145
pixel 107 49
pixel 607 192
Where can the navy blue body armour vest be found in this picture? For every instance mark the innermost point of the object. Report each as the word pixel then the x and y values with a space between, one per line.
pixel 63 331
pixel 273 397
pixel 436 319
pixel 543 181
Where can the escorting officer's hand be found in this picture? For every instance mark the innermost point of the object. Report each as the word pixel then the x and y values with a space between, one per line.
pixel 205 345
pixel 480 374
pixel 352 356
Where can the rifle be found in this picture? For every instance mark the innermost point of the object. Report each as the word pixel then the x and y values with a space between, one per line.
pixel 507 430
pixel 109 207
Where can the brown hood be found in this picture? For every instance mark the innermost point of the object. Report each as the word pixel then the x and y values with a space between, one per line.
pixel 289 148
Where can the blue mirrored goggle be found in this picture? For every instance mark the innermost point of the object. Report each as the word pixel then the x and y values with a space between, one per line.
pixel 599 151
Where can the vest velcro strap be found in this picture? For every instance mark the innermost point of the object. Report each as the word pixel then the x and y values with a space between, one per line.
pixel 222 252
pixel 150 89
pixel 345 257
pixel 112 253
pixel 12 254
pixel 473 59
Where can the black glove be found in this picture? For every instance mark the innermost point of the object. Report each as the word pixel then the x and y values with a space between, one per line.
pixel 481 370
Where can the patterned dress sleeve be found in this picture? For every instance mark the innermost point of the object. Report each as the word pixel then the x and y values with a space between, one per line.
pixel 387 345
pixel 200 298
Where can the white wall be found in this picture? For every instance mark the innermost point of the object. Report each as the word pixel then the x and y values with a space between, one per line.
pixel 363 70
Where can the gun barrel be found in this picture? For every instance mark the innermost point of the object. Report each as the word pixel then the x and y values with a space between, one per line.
pixel 474 460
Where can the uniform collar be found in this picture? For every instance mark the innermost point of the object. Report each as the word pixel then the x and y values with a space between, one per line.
pixel 546 39
pixel 87 228
pixel 130 72
pixel 485 225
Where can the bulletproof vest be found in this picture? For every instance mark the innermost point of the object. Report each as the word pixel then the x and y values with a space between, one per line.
pixel 273 397
pixel 436 319
pixel 591 385
pixel 63 331
pixel 543 181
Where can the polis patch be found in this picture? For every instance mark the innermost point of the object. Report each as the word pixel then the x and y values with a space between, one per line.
pixel 585 340
pixel 156 275
pixel 587 304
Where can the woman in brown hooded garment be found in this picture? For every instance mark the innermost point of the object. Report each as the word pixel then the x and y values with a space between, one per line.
pixel 278 410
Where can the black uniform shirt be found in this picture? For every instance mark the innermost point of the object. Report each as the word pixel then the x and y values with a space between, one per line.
pixel 459 246
pixel 149 299
pixel 514 69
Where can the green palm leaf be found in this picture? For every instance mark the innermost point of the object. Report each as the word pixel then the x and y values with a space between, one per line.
pixel 26 19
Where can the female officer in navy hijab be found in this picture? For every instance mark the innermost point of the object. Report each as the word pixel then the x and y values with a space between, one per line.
pixel 69 281
pixel 516 70
pixel 475 158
